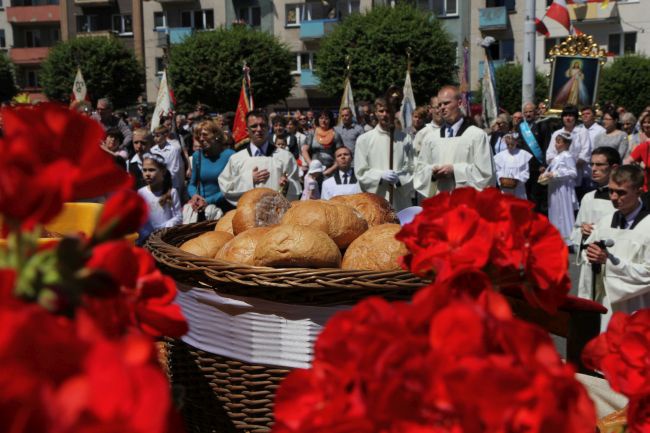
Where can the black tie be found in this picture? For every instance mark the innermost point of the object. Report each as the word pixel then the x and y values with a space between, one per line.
pixel 623 223
pixel 450 131
pixel 345 178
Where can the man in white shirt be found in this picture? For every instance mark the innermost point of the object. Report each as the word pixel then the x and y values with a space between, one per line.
pixel 589 124
pixel 429 128
pixel 173 156
pixel 343 181
pixel 457 155
pixel 623 281
pixel 260 164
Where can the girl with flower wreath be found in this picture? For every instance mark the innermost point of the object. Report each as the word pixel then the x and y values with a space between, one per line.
pixel 162 199
pixel 323 143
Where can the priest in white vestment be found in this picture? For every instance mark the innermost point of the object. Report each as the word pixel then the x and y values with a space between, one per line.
pixel 371 161
pixel 594 206
pixel 623 283
pixel 458 155
pixel 260 164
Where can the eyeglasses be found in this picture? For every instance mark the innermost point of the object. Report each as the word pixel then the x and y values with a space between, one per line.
pixel 257 125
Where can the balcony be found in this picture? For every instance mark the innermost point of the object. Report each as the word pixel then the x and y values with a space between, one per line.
pixel 28 56
pixel 178 34
pixel 316 29
pixel 308 78
pixel 494 18
pixel 33 14
pixel 86 3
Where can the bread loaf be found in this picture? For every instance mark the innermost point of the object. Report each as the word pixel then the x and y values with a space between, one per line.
pixel 375 209
pixel 259 207
pixel 225 222
pixel 241 249
pixel 297 246
pixel 375 250
pixel 207 244
pixel 341 222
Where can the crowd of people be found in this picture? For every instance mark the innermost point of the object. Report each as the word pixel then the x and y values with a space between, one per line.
pixel 577 168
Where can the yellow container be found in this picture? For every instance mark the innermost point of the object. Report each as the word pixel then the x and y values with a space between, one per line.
pixel 75 218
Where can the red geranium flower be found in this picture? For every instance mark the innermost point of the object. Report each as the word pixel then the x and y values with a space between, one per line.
pixel 51 155
pixel 123 213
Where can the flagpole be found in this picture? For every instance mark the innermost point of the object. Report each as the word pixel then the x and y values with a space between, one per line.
pixel 528 78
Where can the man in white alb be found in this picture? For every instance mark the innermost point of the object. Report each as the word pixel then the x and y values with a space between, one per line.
pixel 343 181
pixel 372 156
pixel 260 164
pixel 458 155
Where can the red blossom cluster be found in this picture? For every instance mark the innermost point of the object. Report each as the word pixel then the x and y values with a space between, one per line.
pixel 446 362
pixel 622 354
pixel 495 233
pixel 86 362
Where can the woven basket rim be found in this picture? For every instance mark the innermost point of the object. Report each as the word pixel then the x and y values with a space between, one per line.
pixel 163 246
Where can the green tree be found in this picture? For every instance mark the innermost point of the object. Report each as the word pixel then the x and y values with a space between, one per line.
pixel 8 87
pixel 109 70
pixel 508 87
pixel 207 67
pixel 625 82
pixel 377 44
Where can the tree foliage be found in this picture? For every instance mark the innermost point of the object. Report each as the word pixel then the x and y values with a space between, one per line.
pixel 108 67
pixel 625 82
pixel 377 44
pixel 207 67
pixel 8 87
pixel 508 80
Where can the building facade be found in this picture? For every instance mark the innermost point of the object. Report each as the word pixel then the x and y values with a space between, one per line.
pixel 618 28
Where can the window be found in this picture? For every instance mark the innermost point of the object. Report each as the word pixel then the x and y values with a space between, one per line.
pixel 87 23
pixel 349 7
pixel 305 61
pixel 31 78
pixel 292 12
pixel 159 20
pixel 3 40
pixel 160 65
pixel 443 8
pixel 503 49
pixel 32 38
pixel 251 15
pixel 509 4
pixel 621 43
pixel 123 24
pixel 55 35
pixel 200 20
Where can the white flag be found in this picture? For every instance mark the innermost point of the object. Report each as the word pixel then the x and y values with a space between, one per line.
pixel 348 100
pixel 408 104
pixel 79 87
pixel 163 102
pixel 490 103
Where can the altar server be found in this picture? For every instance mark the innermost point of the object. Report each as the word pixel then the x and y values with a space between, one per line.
pixel 624 281
pixel 343 181
pixel 512 164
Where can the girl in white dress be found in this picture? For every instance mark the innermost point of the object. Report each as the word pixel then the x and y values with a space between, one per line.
pixel 512 168
pixel 561 175
pixel 162 199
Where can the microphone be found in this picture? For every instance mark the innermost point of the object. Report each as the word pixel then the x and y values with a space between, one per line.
pixel 604 244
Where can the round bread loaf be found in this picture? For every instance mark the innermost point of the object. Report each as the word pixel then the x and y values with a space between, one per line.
pixel 297 246
pixel 259 207
pixel 375 250
pixel 225 222
pixel 376 210
pixel 207 244
pixel 241 249
pixel 341 222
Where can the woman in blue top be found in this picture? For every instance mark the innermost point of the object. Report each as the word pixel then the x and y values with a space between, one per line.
pixel 207 165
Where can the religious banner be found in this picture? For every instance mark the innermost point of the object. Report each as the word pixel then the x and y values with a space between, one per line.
pixel 79 90
pixel 408 104
pixel 347 100
pixel 245 104
pixel 164 102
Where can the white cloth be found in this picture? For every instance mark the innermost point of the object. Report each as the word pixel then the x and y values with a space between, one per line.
pixel 593 131
pixel 237 177
pixel 310 190
pixel 160 217
pixel 332 189
pixel 591 210
pixel 469 154
pixel 251 329
pixel 422 134
pixel 513 164
pixel 371 161
pixel 562 201
pixel 173 156
pixel 580 149
pixel 626 274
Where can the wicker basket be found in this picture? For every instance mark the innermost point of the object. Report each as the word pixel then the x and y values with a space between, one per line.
pixel 212 388
pixel 507 182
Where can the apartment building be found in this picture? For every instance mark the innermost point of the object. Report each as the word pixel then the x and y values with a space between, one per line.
pixel 618 27
pixel 6 36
